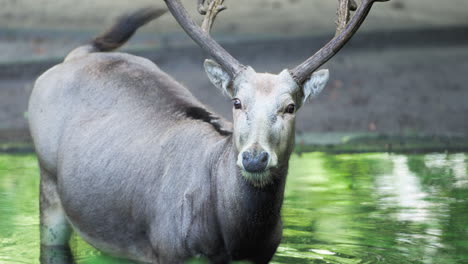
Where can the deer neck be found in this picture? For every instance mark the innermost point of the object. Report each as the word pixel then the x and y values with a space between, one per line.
pixel 243 209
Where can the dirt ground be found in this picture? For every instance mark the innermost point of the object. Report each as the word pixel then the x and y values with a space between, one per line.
pixel 404 72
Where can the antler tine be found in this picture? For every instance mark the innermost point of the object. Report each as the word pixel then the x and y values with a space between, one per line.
pixel 214 7
pixel 201 7
pixel 303 71
pixel 344 14
pixel 209 45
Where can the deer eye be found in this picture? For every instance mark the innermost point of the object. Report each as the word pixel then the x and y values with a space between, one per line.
pixel 290 109
pixel 237 103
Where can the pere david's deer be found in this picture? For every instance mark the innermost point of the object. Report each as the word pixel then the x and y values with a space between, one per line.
pixel 140 169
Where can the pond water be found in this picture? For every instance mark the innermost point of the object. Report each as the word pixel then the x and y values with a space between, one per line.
pixel 347 208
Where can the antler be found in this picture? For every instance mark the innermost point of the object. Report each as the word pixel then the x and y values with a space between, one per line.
pixel 203 39
pixel 303 71
pixel 344 14
pixel 214 7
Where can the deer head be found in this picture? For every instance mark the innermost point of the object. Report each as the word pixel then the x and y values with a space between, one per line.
pixel 265 105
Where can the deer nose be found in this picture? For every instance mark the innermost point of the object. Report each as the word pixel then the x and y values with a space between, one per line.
pixel 255 161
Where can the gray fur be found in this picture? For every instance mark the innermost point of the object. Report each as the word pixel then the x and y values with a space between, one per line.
pixel 141 169
pixel 138 177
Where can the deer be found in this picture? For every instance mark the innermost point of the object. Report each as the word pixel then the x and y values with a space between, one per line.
pixel 134 164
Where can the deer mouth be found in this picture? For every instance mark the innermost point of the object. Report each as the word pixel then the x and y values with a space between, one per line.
pixel 258 179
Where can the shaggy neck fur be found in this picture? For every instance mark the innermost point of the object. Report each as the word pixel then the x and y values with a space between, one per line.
pixel 246 209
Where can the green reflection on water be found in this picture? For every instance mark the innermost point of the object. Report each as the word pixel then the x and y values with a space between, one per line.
pixel 350 208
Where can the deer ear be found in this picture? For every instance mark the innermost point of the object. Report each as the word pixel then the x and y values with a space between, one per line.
pixel 315 84
pixel 218 76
